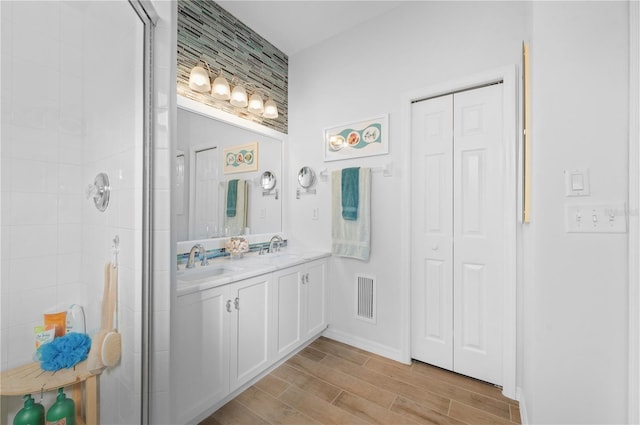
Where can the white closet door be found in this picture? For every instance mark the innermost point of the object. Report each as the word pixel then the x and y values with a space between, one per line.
pixel 432 218
pixel 478 233
pixel 206 191
pixel 457 245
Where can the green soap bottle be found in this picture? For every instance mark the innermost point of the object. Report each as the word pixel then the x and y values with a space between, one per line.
pixel 63 411
pixel 31 414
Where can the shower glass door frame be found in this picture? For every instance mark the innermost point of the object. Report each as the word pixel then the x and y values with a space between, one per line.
pixel 149 17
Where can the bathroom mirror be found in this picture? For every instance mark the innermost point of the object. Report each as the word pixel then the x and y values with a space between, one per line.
pixel 268 180
pixel 202 212
pixel 306 177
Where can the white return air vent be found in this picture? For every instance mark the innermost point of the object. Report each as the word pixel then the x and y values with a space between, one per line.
pixel 366 298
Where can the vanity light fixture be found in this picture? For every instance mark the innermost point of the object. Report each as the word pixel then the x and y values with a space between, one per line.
pixel 200 81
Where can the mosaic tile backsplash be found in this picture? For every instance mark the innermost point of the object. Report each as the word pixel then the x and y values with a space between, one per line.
pixel 218 253
pixel 206 29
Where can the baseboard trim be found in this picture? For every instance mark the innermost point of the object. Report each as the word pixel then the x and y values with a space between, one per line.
pixel 523 406
pixel 365 344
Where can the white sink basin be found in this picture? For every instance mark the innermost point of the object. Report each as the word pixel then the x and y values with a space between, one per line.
pixel 278 258
pixel 282 255
pixel 222 271
pixel 206 272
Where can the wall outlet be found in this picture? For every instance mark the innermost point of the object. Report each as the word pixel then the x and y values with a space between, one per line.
pixel 315 214
pixel 610 217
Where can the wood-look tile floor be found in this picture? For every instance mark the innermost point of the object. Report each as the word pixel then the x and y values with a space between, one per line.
pixel 332 383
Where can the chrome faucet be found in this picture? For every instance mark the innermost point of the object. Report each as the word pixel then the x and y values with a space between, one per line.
pixel 192 254
pixel 275 243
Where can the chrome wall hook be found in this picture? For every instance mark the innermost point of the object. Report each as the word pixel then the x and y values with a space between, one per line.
pixel 99 191
pixel 115 250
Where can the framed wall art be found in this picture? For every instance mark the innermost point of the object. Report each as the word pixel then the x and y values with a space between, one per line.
pixel 363 138
pixel 241 158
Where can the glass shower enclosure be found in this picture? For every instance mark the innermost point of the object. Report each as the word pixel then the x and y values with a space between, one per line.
pixel 74 180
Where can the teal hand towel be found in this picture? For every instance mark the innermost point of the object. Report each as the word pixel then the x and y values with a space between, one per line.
pixel 232 196
pixel 351 238
pixel 350 185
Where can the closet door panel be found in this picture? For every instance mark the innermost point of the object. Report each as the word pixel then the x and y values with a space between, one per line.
pixel 478 233
pixel 432 138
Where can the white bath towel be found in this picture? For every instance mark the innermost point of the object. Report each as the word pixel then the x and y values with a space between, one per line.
pixel 351 238
pixel 236 224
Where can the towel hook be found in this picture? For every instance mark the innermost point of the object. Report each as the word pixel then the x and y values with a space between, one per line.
pixel 115 249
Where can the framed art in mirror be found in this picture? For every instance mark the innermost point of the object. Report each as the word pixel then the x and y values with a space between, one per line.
pixel 239 159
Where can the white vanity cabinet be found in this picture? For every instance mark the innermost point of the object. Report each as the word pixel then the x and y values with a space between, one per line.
pixel 250 329
pixel 222 342
pixel 226 336
pixel 299 304
pixel 315 286
pixel 201 351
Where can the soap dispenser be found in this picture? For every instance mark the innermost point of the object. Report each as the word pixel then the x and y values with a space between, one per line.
pixel 63 411
pixel 75 319
pixel 31 414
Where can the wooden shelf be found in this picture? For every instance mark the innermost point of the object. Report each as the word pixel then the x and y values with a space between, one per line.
pixel 31 379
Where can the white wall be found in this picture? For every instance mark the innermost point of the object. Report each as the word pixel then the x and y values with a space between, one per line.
pixel 572 340
pixel 576 286
pixel 360 74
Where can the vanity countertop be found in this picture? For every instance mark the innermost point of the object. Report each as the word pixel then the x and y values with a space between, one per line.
pixel 226 270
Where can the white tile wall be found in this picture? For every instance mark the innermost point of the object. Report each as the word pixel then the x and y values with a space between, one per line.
pixel 163 250
pixel 67 114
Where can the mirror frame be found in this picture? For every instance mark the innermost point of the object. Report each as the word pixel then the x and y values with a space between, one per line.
pixel 216 114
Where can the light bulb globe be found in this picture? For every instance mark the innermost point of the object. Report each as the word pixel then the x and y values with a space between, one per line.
pixel 199 80
pixel 239 97
pixel 221 89
pixel 270 109
pixel 255 104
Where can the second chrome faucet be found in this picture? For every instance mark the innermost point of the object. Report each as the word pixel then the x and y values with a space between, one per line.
pixel 192 254
pixel 275 243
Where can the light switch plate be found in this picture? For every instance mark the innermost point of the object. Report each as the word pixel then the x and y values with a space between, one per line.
pixel 576 182
pixel 609 217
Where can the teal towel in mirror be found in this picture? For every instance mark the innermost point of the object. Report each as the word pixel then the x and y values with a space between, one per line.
pixel 232 196
pixel 350 185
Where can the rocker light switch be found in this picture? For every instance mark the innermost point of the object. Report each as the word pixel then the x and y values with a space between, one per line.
pixel 577 182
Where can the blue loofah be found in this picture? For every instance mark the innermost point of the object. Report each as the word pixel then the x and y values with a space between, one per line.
pixel 64 352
